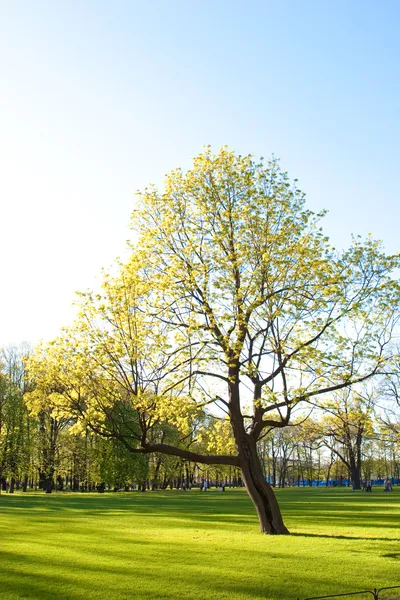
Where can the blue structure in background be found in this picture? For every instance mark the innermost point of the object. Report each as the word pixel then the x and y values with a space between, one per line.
pixel 336 482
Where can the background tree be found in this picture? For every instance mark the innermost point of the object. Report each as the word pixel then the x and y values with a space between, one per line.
pixel 15 423
pixel 347 424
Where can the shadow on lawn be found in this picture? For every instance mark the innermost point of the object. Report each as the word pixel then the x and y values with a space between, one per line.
pixel 164 504
pixel 343 537
pixel 232 509
pixel 191 578
pixel 88 565
pixel 27 577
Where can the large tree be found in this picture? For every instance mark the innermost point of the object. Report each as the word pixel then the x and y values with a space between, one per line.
pixel 233 297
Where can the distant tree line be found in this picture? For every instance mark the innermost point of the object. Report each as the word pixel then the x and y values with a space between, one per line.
pixel 303 458
pixel 39 451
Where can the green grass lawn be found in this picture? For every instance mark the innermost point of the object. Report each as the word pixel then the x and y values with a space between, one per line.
pixel 196 546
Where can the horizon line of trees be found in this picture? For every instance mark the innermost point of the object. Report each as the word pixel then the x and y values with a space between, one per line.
pixel 40 452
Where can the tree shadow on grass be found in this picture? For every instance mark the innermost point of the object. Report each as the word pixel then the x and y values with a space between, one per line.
pixel 29 577
pixel 232 510
pixel 188 580
pixel 344 537
pixel 206 510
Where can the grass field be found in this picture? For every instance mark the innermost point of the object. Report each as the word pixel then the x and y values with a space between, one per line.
pixel 195 546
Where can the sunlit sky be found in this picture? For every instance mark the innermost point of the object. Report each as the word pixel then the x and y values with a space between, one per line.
pixel 98 99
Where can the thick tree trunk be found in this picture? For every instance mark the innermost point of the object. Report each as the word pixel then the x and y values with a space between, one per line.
pixel 48 484
pixel 355 477
pixel 259 490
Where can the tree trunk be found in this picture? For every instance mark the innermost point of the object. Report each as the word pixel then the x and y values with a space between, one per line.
pixel 259 490
pixel 273 463
pixel 156 473
pixel 48 484
pixel 355 470
pixel 328 474
pixel 355 477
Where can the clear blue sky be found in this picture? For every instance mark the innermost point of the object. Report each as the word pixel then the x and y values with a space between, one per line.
pixel 98 99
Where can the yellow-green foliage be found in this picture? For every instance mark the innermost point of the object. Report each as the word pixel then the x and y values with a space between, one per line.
pixel 231 277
